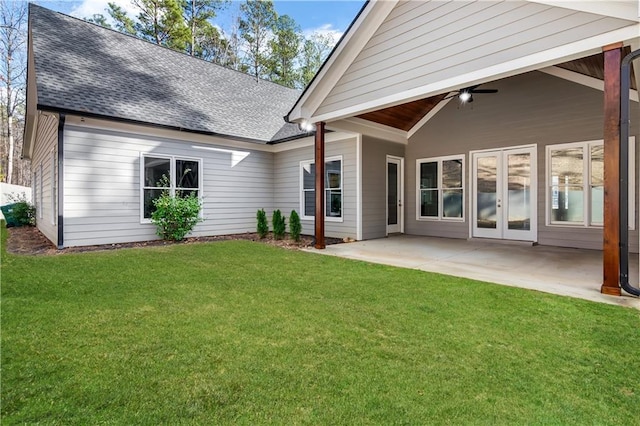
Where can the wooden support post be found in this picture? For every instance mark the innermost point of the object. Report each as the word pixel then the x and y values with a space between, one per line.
pixel 319 187
pixel 611 231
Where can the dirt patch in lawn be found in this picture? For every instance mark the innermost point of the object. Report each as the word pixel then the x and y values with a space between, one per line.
pixel 29 240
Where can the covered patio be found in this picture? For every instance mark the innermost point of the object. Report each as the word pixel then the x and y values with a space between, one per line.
pixel 562 271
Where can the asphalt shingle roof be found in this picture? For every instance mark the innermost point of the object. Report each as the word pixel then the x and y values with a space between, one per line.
pixel 85 68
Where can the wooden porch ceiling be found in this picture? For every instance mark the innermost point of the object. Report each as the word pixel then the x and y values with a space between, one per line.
pixel 405 116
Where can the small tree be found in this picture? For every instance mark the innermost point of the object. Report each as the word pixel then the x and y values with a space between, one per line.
pixel 294 226
pixel 279 225
pixel 263 225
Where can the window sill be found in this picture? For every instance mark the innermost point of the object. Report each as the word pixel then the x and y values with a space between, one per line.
pixel 440 219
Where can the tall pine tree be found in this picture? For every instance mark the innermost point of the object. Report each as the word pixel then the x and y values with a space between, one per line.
pixel 284 47
pixel 256 23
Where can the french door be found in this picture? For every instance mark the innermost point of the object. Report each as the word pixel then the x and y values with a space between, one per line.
pixel 504 194
pixel 395 188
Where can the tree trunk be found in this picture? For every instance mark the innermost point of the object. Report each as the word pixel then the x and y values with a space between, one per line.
pixel 10 149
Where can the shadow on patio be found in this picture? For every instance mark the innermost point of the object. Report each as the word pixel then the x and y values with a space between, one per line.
pixel 557 270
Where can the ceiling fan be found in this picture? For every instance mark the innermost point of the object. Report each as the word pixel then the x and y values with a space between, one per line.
pixel 466 95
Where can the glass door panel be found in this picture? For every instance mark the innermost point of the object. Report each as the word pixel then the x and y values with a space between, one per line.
pixel 392 194
pixel 519 191
pixel 487 192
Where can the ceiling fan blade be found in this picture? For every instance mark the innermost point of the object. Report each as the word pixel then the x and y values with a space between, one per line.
pixel 484 90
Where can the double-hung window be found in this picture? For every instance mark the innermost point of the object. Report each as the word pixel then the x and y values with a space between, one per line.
pixel 332 185
pixel 575 183
pixel 440 188
pixel 178 176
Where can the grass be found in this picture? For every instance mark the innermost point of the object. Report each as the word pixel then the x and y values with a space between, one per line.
pixel 243 333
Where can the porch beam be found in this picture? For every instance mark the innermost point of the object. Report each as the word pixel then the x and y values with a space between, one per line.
pixel 611 231
pixel 319 185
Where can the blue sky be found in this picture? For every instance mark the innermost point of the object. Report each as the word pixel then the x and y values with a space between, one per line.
pixel 332 17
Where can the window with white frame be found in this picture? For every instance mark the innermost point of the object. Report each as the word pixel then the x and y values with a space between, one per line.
pixel 575 182
pixel 53 188
pixel 332 184
pixel 179 176
pixel 40 193
pixel 440 188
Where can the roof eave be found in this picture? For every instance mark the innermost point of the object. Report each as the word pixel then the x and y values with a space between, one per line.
pixel 58 110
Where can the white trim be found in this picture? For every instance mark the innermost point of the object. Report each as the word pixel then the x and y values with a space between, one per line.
pixel 337 136
pixel 53 186
pixel 301 191
pixel 370 128
pixel 564 53
pixel 439 189
pixel 83 123
pixel 361 31
pixel 502 231
pixel 400 162
pixel 430 114
pixel 628 10
pixel 172 179
pixel 586 170
pixel 41 194
pixel 359 187
pixel 582 79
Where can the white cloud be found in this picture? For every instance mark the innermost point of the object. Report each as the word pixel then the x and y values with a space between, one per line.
pixel 88 8
pixel 325 30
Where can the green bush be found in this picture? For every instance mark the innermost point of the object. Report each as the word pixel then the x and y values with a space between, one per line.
pixel 294 226
pixel 22 211
pixel 279 225
pixel 175 216
pixel 263 225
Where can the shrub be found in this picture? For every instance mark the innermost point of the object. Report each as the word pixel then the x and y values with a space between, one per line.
pixel 22 212
pixel 279 225
pixel 294 226
pixel 263 225
pixel 175 215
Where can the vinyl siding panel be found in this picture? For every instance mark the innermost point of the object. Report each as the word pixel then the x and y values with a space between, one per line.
pixel 374 195
pixel 287 186
pixel 45 161
pixel 426 42
pixel 534 108
pixel 102 186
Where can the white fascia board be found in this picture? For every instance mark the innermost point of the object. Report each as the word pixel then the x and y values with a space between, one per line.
pixel 369 128
pixel 586 47
pixel 582 79
pixel 346 52
pixel 310 141
pixel 431 114
pixel 625 9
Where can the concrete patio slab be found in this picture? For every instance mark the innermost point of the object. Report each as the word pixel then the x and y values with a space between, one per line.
pixel 562 271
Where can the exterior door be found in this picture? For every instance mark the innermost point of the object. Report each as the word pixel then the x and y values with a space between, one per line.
pixel 395 188
pixel 504 194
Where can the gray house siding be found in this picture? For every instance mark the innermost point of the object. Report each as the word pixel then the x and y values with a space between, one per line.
pixel 374 196
pixel 288 191
pixel 44 165
pixel 534 108
pixel 102 185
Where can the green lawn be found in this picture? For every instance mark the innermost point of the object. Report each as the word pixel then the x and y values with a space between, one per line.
pixel 244 333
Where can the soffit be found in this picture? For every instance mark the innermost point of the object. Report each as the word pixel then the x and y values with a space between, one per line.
pixel 407 115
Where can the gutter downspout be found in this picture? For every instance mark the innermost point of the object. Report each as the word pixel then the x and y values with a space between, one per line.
pixel 61 121
pixel 625 77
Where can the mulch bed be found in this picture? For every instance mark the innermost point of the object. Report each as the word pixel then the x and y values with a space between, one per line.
pixel 29 240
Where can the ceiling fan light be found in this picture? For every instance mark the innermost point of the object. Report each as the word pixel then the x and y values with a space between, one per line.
pixel 464 96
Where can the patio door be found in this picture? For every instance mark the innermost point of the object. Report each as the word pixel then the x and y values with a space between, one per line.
pixel 504 194
pixel 395 188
